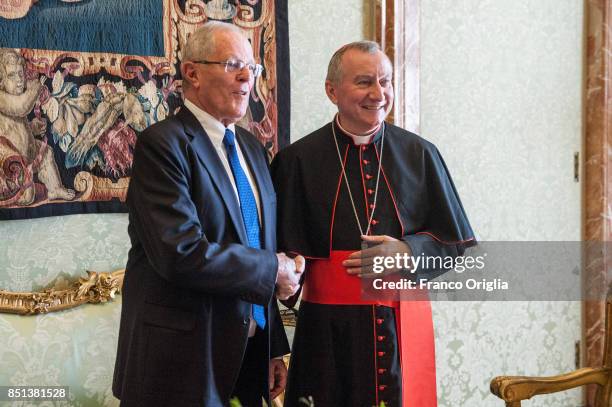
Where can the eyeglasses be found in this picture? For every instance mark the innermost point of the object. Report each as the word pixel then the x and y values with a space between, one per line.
pixel 235 65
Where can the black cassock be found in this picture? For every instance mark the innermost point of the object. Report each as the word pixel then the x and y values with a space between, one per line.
pixel 348 355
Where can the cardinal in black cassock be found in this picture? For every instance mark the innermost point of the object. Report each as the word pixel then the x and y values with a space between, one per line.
pixel 355 180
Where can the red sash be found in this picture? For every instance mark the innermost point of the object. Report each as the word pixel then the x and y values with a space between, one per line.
pixel 327 282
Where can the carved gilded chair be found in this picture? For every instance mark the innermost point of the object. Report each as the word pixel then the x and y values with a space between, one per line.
pixel 514 389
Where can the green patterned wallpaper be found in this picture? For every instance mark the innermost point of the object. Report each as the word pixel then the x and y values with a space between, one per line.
pixel 494 97
pixel 74 348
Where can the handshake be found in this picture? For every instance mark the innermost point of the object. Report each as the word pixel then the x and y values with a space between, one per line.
pixel 289 275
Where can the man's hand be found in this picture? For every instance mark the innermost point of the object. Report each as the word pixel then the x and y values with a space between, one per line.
pixel 361 263
pixel 277 378
pixel 288 277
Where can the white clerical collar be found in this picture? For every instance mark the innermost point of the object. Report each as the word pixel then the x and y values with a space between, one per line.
pixel 213 127
pixel 357 140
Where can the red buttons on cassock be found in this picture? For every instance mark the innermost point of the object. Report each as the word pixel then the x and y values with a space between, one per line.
pixel 379 321
pixel 366 162
pixel 381 354
pixel 371 206
pixel 368 176
pixel 380 338
pixel 364 147
pixel 382 387
pixel 374 222
pixel 381 371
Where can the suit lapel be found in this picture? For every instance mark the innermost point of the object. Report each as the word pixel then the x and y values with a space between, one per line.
pixel 210 160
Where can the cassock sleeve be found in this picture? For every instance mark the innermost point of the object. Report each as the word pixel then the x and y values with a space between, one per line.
pixel 446 231
pixel 292 232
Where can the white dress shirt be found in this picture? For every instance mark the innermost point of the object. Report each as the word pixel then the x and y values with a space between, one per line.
pixel 216 132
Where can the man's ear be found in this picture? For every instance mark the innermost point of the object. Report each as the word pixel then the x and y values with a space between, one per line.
pixel 330 89
pixel 190 73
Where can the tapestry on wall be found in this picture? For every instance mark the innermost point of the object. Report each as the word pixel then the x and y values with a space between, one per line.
pixel 80 79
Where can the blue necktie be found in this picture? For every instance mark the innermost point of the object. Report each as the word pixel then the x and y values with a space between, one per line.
pixel 248 207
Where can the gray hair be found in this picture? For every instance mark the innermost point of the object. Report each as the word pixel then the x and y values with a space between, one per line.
pixel 9 57
pixel 334 69
pixel 201 43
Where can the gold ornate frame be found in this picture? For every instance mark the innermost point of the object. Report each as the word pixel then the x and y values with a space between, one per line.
pixel 93 289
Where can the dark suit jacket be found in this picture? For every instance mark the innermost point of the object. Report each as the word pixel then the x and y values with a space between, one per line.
pixel 190 277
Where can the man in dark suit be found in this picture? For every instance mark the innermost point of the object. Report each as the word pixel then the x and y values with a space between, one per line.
pixel 199 322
